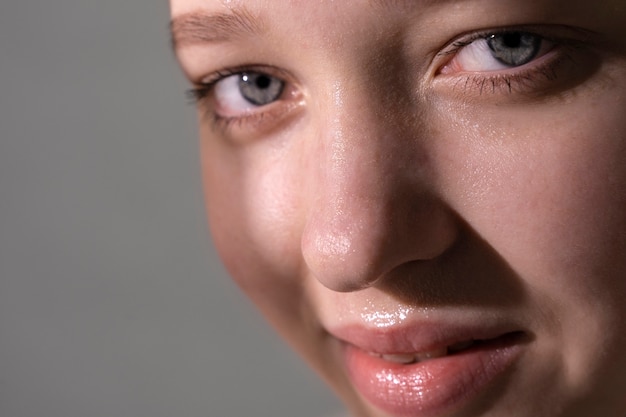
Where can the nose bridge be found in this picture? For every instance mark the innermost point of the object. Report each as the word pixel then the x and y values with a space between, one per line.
pixel 367 198
pixel 349 182
pixel 356 153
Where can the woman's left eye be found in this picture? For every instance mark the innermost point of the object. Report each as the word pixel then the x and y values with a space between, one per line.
pixel 496 52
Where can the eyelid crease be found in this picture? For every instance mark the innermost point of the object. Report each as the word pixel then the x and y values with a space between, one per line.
pixel 546 32
pixel 528 80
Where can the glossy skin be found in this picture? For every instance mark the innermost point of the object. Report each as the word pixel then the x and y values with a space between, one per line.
pixel 395 181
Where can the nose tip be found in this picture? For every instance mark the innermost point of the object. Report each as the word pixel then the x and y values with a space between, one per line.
pixel 355 246
pixel 337 255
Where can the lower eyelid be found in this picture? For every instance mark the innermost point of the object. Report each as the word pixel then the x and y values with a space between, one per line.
pixel 223 93
pixel 547 52
pixel 208 84
pixel 260 121
pixel 544 74
pixel 252 109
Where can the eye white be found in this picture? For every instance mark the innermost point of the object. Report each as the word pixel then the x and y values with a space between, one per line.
pixel 478 56
pixel 228 95
pixel 244 92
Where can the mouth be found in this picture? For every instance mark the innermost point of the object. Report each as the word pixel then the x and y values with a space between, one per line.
pixel 409 358
pixel 453 349
pixel 429 373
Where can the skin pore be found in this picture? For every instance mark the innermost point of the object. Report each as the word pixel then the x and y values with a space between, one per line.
pixel 384 176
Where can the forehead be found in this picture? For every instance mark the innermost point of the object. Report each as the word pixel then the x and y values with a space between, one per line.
pixel 186 6
pixel 305 15
pixel 275 10
pixel 283 21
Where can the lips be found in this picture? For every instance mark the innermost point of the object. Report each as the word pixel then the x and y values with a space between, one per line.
pixel 428 370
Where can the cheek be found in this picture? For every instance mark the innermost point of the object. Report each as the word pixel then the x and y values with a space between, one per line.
pixel 560 191
pixel 548 179
pixel 253 213
pixel 546 188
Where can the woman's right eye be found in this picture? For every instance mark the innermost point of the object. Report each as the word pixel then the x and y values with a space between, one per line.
pixel 245 103
pixel 241 93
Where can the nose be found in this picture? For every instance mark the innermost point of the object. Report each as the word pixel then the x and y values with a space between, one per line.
pixel 372 206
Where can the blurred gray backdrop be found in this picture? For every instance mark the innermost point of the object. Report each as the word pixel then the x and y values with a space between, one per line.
pixel 112 302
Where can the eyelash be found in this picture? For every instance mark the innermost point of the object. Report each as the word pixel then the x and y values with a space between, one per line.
pixel 201 94
pixel 524 78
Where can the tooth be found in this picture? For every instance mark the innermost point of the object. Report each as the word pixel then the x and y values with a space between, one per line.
pixel 404 358
pixel 437 353
pixel 407 358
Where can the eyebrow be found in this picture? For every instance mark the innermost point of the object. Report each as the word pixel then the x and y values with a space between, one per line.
pixel 399 4
pixel 200 27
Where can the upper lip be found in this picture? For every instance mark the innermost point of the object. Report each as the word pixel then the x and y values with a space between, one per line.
pixel 419 336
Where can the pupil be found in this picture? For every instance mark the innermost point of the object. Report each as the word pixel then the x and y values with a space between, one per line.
pixel 260 89
pixel 514 49
pixel 512 40
pixel 263 81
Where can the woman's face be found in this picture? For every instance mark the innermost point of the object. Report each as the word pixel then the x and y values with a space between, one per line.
pixel 426 198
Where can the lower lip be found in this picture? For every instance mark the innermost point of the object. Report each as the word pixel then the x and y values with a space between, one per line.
pixel 434 387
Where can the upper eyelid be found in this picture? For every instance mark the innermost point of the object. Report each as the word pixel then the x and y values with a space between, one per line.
pixel 561 34
pixel 553 33
pixel 216 76
pixel 452 45
pixel 202 91
pixel 465 40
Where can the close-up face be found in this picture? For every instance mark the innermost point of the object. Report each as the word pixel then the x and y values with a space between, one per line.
pixel 427 199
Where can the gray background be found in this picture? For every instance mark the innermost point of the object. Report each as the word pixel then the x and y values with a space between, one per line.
pixel 112 302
